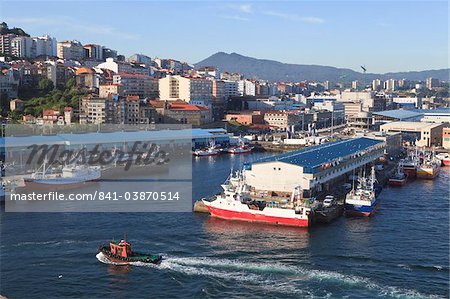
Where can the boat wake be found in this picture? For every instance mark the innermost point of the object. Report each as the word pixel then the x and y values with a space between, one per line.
pixel 272 277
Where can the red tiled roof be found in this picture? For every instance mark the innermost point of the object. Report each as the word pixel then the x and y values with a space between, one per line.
pixel 187 107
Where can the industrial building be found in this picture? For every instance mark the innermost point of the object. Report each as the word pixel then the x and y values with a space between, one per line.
pixel 425 134
pixel 396 115
pixel 314 168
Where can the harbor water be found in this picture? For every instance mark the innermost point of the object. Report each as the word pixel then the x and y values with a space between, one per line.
pixel 400 252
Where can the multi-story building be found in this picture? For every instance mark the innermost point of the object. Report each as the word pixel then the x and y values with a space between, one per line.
pixel 137 85
pixel 106 90
pixel 231 76
pixel 9 85
pixel 23 46
pixel 376 85
pixel 246 117
pixel 93 52
pixel 45 45
pixel 281 120
pixel 231 88
pixel 140 58
pixel 191 90
pixel 208 72
pixel 182 112
pixel 109 53
pixel 86 78
pixel 123 67
pixel 422 133
pixel 446 138
pixel 352 109
pixel 355 84
pixel 70 50
pixel 5 43
pixel 390 85
pixel 432 83
pixel 95 110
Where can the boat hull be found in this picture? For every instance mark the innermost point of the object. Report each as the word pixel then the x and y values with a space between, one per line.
pixel 365 211
pixel 56 185
pixel 121 260
pixel 411 172
pixel 206 154
pixel 428 174
pixel 253 217
pixel 397 182
pixel 445 162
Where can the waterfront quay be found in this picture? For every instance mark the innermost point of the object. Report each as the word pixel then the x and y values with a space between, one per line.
pixel 315 168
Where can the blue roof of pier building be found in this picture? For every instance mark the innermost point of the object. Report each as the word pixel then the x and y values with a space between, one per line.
pixel 313 157
pixel 399 114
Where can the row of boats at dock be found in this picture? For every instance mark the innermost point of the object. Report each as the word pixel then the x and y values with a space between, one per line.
pixel 238 202
pixel 215 149
pixel 419 165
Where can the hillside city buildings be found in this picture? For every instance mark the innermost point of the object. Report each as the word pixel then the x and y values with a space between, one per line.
pixel 143 89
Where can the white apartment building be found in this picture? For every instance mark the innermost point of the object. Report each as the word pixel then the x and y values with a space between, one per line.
pixel 231 88
pixel 390 84
pixel 137 85
pixel 122 67
pixel 23 46
pixel 70 50
pixel 192 90
pixel 45 45
pixel 376 84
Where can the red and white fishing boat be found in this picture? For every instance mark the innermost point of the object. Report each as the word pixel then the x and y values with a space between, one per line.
pixel 235 203
pixel 212 150
pixel 241 148
pixel 444 158
pixel 399 178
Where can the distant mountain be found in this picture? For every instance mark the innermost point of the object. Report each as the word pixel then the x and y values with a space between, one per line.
pixel 276 71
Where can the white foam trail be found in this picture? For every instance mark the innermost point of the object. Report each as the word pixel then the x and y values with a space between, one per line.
pixel 257 274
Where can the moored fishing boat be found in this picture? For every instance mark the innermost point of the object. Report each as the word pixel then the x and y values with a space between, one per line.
pixel 399 178
pixel 410 164
pixel 429 169
pixel 241 148
pixel 235 203
pixel 121 253
pixel 444 158
pixel 362 201
pixel 70 176
pixel 211 150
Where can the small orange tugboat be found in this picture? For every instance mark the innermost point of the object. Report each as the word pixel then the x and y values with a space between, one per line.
pixel 121 253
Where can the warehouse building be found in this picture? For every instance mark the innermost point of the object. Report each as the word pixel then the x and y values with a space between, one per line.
pixel 314 168
pixel 422 133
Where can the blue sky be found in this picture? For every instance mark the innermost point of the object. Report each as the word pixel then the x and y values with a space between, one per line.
pixel 383 35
